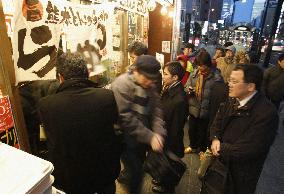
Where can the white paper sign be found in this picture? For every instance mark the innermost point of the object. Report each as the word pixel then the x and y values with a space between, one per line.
pixel 166 46
pixel 39 25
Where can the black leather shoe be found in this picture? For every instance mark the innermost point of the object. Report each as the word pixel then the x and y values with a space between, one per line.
pixel 123 178
pixel 155 182
pixel 158 189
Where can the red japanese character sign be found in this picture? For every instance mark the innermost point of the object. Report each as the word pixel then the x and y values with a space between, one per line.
pixel 7 127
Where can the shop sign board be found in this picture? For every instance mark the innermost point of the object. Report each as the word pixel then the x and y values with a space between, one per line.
pixel 8 133
pixel 136 6
pixel 40 25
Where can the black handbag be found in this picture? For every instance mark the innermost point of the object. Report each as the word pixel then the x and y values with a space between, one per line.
pixel 217 179
pixel 166 167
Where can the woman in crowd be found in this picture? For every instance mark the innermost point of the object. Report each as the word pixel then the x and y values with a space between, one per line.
pixel 199 87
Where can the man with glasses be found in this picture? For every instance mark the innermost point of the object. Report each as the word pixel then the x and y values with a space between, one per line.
pixel 244 128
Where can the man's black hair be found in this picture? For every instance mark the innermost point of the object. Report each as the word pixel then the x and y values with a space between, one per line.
pixel 281 57
pixel 175 68
pixel 228 44
pixel 138 48
pixel 252 74
pixel 72 66
pixel 188 45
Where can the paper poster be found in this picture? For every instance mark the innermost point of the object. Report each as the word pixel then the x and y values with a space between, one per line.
pixel 166 46
pixel 36 38
pixel 90 34
pixel 39 26
pixel 160 58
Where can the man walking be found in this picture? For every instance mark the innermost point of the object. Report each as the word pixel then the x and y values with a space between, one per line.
pixel 79 121
pixel 140 115
pixel 244 128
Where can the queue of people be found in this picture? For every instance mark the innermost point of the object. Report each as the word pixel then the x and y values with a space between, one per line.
pixel 91 131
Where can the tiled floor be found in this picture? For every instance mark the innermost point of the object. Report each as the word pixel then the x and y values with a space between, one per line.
pixel 189 183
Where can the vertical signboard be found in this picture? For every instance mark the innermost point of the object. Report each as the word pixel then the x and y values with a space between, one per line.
pixel 8 133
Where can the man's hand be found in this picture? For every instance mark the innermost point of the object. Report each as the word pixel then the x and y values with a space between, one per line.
pixel 215 147
pixel 157 143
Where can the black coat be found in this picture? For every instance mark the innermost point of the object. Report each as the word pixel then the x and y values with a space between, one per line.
pixel 83 147
pixel 273 84
pixel 175 107
pixel 246 134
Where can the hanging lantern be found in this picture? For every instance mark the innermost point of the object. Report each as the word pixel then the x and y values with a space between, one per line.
pixel 151 5
pixel 164 10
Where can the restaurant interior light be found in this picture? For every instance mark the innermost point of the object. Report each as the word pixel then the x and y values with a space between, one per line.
pixel 164 10
pixel 151 5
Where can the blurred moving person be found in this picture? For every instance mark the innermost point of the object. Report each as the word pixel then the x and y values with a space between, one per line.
pixel 140 116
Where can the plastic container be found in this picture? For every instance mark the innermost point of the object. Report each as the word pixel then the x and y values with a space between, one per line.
pixel 21 172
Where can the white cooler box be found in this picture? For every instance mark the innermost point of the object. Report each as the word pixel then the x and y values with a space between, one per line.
pixel 21 172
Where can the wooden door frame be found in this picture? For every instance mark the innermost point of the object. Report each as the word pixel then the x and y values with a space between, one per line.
pixel 11 89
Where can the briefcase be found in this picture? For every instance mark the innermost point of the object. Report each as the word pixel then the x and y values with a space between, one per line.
pixel 165 167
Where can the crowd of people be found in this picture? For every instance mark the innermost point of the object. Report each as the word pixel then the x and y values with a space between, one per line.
pixel 230 107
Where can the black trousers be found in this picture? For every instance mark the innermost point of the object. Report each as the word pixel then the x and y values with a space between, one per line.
pixel 133 159
pixel 198 133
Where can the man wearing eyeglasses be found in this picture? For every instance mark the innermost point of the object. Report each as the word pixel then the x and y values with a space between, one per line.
pixel 244 129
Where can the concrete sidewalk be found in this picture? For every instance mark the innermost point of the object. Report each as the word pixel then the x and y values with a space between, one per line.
pixel 189 183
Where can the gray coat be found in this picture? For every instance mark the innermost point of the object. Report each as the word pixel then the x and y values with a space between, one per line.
pixel 139 109
pixel 203 106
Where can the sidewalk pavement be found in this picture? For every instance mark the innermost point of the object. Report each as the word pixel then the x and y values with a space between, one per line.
pixel 189 183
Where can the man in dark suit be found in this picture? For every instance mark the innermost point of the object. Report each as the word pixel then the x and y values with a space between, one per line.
pixel 79 121
pixel 244 129
pixel 175 108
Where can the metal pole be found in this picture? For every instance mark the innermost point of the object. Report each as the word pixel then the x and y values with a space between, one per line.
pixel 208 17
pixel 273 31
pixel 261 31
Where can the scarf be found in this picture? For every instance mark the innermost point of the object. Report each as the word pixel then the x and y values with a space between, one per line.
pixel 202 75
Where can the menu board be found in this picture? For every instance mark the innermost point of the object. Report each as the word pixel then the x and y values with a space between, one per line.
pixel 8 133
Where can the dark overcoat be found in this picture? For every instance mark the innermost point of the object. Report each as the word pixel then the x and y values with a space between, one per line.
pixel 175 108
pixel 246 134
pixel 82 145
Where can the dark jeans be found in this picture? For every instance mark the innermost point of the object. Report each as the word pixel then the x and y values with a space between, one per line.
pixel 198 133
pixel 133 159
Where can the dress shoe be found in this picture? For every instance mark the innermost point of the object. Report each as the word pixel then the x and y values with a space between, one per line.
pixel 189 150
pixel 158 189
pixel 123 178
pixel 163 189
pixel 155 182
